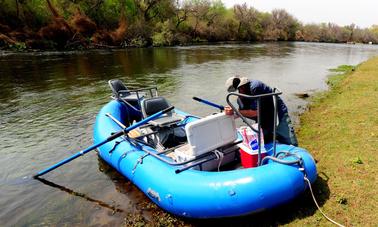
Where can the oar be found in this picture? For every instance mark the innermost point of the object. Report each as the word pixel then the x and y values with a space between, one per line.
pixel 110 138
pixel 220 107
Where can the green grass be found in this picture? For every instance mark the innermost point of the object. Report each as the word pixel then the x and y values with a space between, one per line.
pixel 338 74
pixel 341 131
pixel 343 69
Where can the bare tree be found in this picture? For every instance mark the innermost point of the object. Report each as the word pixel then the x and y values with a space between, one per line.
pixel 285 24
pixel 248 21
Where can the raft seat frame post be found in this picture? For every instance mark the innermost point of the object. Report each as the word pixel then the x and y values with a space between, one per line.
pixel 275 122
pixel 140 97
pixel 274 95
pixel 259 131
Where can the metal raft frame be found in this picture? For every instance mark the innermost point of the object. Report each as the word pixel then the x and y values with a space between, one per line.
pixel 208 156
pixel 135 94
pixel 276 92
pixel 197 161
pixel 142 145
pixel 147 148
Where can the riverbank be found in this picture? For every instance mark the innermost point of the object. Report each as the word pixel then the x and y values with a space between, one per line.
pixel 341 131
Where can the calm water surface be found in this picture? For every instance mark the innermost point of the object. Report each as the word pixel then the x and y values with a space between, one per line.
pixel 48 103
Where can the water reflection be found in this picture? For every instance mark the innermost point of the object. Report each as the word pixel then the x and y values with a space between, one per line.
pixel 48 104
pixel 38 73
pixel 34 73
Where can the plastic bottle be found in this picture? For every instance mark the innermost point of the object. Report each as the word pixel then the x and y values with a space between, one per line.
pixel 254 145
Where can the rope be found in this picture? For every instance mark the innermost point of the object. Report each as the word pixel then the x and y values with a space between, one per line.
pixel 299 161
pixel 313 197
pixel 220 157
pixel 285 162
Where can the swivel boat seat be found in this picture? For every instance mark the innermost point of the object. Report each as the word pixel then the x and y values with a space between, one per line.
pixel 156 104
pixel 168 133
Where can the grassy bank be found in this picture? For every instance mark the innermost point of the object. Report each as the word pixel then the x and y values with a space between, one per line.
pixel 341 131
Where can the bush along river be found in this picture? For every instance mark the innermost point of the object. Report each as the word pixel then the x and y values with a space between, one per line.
pixel 49 100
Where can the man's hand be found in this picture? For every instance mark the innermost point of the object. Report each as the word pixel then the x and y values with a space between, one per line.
pixel 248 113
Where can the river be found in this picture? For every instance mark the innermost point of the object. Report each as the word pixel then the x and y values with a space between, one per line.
pixel 49 101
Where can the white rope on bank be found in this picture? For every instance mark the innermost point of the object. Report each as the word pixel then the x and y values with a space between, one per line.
pixel 313 197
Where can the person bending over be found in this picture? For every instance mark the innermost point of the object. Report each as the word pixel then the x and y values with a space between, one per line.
pixel 248 108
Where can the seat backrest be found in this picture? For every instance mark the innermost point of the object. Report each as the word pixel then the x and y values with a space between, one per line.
pixel 154 105
pixel 118 88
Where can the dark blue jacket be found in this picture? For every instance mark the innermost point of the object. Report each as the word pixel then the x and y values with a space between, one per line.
pixel 267 107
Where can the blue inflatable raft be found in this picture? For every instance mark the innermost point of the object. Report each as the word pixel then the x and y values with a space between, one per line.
pixel 199 186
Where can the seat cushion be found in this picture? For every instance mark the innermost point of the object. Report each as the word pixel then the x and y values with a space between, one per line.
pixel 165 121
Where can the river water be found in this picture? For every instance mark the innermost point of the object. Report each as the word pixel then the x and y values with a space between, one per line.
pixel 48 104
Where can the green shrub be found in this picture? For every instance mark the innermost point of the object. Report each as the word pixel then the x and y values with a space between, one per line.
pixel 164 37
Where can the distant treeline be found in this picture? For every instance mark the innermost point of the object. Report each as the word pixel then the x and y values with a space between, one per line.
pixel 73 24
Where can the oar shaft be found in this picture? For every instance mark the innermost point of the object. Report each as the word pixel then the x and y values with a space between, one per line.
pixel 64 161
pixel 209 103
pixel 110 138
pixel 78 154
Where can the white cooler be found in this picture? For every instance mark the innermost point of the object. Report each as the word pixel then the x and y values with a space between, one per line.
pixel 208 134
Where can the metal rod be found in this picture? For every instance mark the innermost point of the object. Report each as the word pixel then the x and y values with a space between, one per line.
pixel 237 111
pixel 137 138
pixel 275 115
pixel 115 120
pixel 139 102
pixel 278 92
pixel 259 131
pixel 177 163
pixel 164 151
pixel 131 106
pixel 143 89
pixel 207 158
